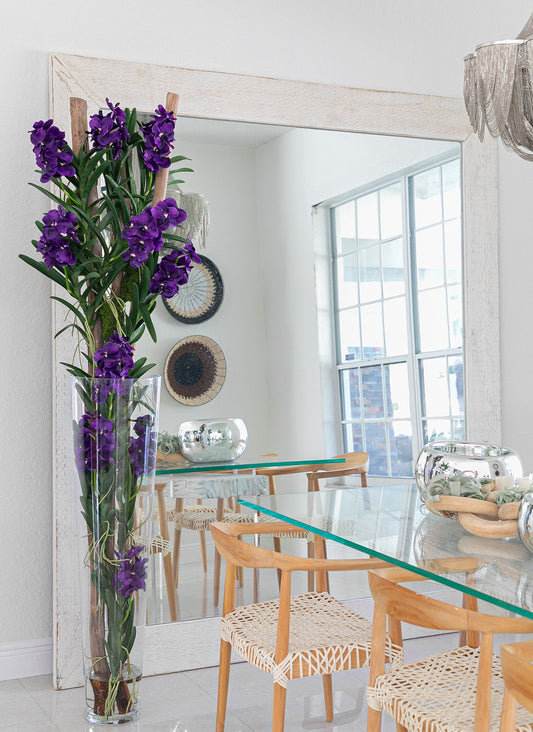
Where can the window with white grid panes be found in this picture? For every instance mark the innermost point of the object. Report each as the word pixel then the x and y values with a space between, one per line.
pixel 397 283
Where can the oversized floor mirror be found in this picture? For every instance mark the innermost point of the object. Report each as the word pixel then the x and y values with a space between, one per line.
pixel 270 157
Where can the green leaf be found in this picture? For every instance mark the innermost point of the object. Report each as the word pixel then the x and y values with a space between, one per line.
pixel 138 372
pixel 134 309
pixel 145 314
pixel 137 333
pixel 78 313
pixel 174 237
pixel 74 370
pixel 72 325
pixel 43 269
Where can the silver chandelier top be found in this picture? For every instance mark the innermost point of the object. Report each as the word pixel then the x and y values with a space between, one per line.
pixel 498 93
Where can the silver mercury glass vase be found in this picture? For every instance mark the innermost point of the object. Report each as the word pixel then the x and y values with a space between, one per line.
pixel 449 458
pixel 212 440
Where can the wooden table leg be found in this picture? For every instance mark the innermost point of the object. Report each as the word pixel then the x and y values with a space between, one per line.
pixel 216 584
pixel 167 558
pixel 177 542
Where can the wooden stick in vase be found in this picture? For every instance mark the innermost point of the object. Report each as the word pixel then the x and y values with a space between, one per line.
pixel 100 667
pixel 161 177
pixel 78 126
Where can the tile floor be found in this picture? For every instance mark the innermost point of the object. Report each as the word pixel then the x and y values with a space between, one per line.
pixel 186 702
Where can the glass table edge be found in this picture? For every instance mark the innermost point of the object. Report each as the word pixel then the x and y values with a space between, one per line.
pixel 228 467
pixel 441 579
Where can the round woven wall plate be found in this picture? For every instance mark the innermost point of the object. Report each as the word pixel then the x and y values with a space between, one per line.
pixel 200 297
pixel 195 370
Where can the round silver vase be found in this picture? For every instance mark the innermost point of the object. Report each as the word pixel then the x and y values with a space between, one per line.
pixel 449 458
pixel 212 440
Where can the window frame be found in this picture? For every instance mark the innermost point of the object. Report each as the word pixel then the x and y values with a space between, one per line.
pixel 414 357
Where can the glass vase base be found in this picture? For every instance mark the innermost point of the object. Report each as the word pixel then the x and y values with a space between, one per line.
pixel 113 702
pixel 93 718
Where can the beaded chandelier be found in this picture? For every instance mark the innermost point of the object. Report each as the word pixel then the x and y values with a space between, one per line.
pixel 498 90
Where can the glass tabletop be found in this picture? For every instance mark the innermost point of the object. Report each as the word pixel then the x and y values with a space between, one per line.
pixel 175 463
pixel 387 522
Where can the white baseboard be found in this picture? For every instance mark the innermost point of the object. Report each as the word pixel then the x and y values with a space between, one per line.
pixel 32 658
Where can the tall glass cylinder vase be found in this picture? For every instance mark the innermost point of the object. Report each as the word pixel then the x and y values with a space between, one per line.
pixel 115 425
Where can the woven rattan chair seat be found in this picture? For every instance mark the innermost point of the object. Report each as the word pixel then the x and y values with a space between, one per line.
pixel 439 693
pixel 200 517
pixel 340 526
pixel 325 636
pixel 157 544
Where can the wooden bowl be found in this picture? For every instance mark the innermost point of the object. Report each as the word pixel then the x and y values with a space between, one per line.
pixel 481 518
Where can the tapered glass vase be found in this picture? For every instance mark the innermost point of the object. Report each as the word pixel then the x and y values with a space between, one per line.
pixel 115 437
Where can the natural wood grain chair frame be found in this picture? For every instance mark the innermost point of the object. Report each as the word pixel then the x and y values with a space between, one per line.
pixel 238 553
pixel 400 604
pixel 161 544
pixel 355 463
pixel 517 669
pixel 167 558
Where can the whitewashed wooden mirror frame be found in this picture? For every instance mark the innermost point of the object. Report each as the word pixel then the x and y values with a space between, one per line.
pixel 189 644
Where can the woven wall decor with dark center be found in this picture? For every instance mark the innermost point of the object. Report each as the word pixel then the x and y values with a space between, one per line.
pixel 195 370
pixel 200 298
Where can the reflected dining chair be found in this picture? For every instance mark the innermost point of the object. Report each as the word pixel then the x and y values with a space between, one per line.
pixel 224 487
pixel 355 462
pixel 517 669
pixel 333 474
pixel 453 691
pixel 304 635
pixel 160 542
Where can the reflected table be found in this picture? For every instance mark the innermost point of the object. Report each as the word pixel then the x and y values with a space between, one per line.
pixel 180 480
pixel 387 522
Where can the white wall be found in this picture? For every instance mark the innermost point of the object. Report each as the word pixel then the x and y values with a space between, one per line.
pixel 225 175
pixel 414 46
pixel 295 172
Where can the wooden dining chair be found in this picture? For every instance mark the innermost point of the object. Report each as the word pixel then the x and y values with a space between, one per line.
pixel 355 464
pixel 517 669
pixel 198 517
pixel 459 690
pixel 304 635
pixel 160 542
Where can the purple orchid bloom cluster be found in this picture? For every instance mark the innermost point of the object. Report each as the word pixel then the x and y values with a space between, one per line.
pixel 58 235
pixel 52 154
pixel 173 271
pixel 144 233
pixel 114 359
pixel 109 130
pixel 113 365
pixel 158 139
pixel 143 447
pixel 131 575
pixel 95 443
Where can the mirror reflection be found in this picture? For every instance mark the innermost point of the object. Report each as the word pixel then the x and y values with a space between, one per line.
pixel 296 278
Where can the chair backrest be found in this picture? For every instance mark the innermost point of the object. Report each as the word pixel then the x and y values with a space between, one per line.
pixel 355 463
pixel 242 554
pixel 238 553
pixel 406 605
pixel 517 668
pixel 403 604
pixel 359 461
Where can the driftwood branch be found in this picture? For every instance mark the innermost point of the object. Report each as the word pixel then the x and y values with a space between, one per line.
pixel 78 125
pixel 161 178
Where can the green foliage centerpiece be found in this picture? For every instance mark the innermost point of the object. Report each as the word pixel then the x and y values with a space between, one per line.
pixel 111 242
